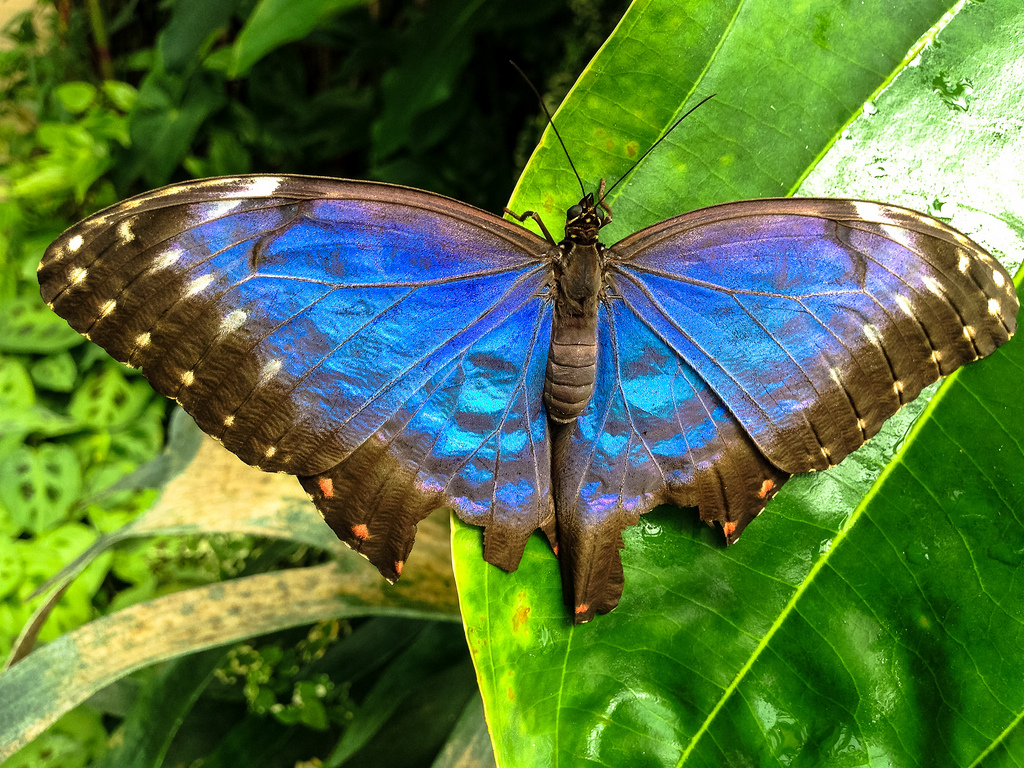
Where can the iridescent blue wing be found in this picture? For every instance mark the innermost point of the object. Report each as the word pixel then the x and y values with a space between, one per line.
pixel 749 341
pixel 386 345
pixel 654 433
pixel 815 319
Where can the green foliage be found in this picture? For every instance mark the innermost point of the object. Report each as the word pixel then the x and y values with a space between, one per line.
pixel 74 741
pixel 954 93
pixel 57 137
pixel 420 94
pixel 274 679
pixel 389 92
pixel 39 485
pixel 275 22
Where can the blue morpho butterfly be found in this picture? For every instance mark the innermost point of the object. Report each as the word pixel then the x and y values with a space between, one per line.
pixel 401 351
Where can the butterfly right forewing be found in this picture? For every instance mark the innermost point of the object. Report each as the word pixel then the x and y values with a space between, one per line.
pixel 814 319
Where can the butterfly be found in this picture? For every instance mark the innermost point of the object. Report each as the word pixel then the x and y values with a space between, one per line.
pixel 401 351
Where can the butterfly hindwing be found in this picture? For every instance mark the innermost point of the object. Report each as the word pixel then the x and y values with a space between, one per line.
pixel 473 437
pixel 372 337
pixel 654 433
pixel 813 319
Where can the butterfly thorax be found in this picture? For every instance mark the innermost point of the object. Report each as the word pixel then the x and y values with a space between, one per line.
pixel 572 355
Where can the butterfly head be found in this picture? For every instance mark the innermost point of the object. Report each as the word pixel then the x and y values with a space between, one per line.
pixel 584 220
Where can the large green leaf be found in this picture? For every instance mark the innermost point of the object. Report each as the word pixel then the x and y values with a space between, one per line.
pixel 873 615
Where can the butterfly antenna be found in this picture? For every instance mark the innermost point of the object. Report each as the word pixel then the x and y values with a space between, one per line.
pixel 552 124
pixel 664 136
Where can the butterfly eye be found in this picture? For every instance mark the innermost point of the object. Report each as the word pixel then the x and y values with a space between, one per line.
pixel 575 212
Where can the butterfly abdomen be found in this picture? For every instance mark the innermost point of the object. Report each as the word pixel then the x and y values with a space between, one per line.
pixel 571 369
pixel 572 355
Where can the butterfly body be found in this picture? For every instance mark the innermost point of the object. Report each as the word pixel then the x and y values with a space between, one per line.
pixel 401 351
pixel 577 284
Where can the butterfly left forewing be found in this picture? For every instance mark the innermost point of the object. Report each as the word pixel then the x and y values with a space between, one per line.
pixel 307 323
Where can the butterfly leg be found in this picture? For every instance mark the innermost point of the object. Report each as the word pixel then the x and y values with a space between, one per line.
pixel 522 217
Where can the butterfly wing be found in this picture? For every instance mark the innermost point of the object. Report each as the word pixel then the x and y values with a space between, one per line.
pixel 654 433
pixel 746 342
pixel 814 320
pixel 385 344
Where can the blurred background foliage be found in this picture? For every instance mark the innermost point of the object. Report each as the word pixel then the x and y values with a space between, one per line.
pixel 108 98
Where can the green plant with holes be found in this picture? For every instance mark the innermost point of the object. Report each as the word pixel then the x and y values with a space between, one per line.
pixel 71 422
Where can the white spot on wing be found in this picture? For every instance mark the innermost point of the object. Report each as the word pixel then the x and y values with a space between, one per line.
pixel 165 260
pixel 270 369
pixel 75 243
pixel 867 211
pixel 997 278
pixel 872 333
pixel 903 303
pixel 897 387
pixel 993 307
pixel 269 453
pixel 936 356
pixel 188 377
pixel 262 186
pixel 897 234
pixel 143 339
pixel 229 420
pixel 77 275
pixel 198 285
pixel 835 376
pixel 931 285
pixel 233 321
pixel 108 308
pixel 218 208
pixel 969 332
pixel 124 231
pixel 964 263
pixel 862 425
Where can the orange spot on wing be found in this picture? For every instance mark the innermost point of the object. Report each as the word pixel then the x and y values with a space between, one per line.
pixel 555 548
pixel 399 565
pixel 361 532
pixel 582 609
pixel 729 528
pixel 327 487
pixel 766 488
